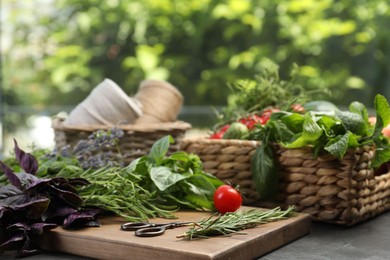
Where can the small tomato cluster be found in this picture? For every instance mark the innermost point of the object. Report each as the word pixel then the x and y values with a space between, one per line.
pixel 249 121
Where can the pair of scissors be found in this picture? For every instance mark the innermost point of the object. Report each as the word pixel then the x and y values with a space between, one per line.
pixel 146 229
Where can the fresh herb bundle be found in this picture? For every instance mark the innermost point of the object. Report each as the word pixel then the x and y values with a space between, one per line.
pixel 265 90
pixel 234 222
pixel 154 185
pixel 333 132
pixel 30 205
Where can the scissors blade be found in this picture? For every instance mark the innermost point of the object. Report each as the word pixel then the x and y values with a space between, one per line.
pixel 179 224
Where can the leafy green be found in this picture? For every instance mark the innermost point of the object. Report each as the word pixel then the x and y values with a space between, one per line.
pixel 334 133
pixel 311 131
pixel 177 178
pixel 265 179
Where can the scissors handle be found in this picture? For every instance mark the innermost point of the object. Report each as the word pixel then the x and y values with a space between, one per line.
pixel 132 226
pixel 152 231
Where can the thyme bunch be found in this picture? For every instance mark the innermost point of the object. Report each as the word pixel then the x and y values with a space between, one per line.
pixel 234 222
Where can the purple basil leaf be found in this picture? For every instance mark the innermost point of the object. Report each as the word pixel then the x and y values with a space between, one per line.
pixel 26 160
pixel 63 184
pixel 18 226
pixel 34 208
pixel 27 249
pixel 11 175
pixel 15 239
pixel 29 181
pixel 71 198
pixel 10 196
pixel 57 211
pixel 80 218
pixel 40 228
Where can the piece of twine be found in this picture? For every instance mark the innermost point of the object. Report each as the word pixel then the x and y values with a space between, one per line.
pixel 161 101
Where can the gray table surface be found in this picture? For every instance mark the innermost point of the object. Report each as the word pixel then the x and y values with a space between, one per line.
pixel 367 240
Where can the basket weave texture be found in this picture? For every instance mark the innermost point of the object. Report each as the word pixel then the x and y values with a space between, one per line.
pixel 137 139
pixel 227 159
pixel 331 190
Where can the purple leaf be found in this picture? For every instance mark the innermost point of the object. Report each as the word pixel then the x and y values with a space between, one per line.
pixel 27 249
pixel 34 208
pixel 30 181
pixel 40 228
pixel 69 197
pixel 15 239
pixel 62 211
pixel 13 179
pixel 10 196
pixel 80 218
pixel 26 160
pixel 18 226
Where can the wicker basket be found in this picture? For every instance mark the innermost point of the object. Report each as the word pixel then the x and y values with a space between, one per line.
pixel 229 160
pixel 137 139
pixel 329 189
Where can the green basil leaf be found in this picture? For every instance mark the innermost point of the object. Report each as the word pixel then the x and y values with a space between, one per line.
pixel 311 133
pixel 164 178
pixel 159 149
pixel 294 122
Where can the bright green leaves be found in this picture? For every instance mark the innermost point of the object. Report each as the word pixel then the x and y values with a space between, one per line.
pixel 334 133
pixel 164 178
pixel 159 149
pixel 311 132
pixel 176 179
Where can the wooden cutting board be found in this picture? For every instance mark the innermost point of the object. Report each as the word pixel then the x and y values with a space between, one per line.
pixel 109 242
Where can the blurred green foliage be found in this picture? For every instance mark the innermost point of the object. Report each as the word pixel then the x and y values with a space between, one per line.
pixel 59 50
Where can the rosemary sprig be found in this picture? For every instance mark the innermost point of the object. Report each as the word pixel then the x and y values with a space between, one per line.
pixel 233 222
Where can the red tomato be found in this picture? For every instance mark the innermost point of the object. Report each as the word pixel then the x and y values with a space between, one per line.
pixel 297 108
pixel 227 199
pixel 220 133
pixel 267 113
pixel 251 121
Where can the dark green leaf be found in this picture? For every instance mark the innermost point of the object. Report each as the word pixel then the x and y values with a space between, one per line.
pixel 264 172
pixel 338 146
pixel 353 122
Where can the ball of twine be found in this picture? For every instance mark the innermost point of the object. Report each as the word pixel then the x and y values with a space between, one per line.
pixel 161 101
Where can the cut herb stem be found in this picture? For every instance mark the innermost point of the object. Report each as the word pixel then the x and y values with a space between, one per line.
pixel 233 222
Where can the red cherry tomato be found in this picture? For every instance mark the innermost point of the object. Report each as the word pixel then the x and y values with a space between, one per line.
pixel 220 133
pixel 297 108
pixel 266 115
pixel 227 199
pixel 251 121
